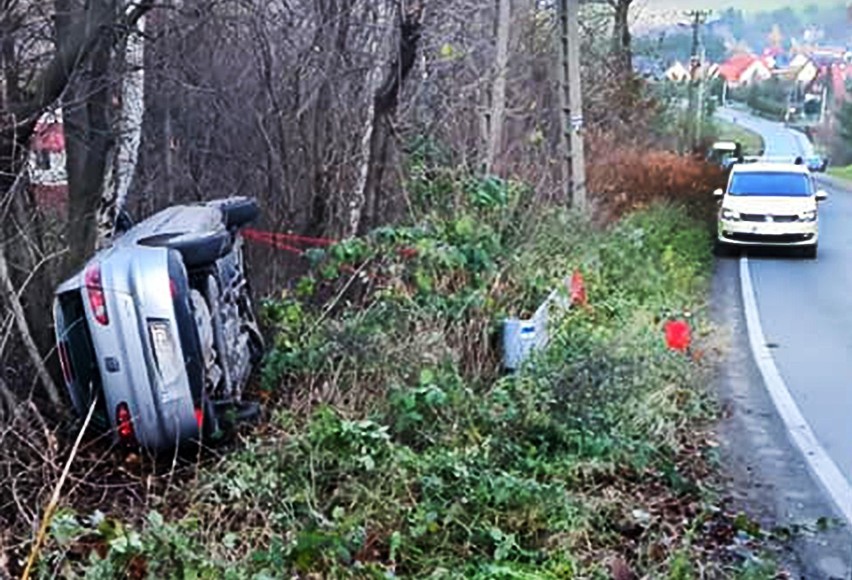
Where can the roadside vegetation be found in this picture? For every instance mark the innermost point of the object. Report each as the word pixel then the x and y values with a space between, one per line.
pixel 841 172
pixel 752 142
pixel 395 445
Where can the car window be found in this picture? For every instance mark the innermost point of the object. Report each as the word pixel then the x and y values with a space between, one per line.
pixel 770 183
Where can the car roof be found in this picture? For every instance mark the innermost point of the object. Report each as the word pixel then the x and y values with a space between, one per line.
pixel 725 145
pixel 767 167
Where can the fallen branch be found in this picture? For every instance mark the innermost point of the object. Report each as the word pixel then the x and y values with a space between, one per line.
pixel 9 322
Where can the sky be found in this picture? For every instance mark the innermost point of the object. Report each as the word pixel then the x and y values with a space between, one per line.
pixel 650 12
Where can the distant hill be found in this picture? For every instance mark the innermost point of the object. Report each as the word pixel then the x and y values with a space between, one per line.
pixel 654 13
pixel 745 5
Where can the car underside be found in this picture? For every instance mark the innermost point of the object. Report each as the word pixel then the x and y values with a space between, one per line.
pixel 158 330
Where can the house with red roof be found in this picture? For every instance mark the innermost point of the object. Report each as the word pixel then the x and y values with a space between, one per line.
pixel 745 69
pixel 47 173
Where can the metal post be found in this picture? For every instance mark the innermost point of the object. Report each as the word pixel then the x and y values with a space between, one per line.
pixel 571 103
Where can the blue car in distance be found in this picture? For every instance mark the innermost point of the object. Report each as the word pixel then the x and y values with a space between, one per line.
pixel 817 163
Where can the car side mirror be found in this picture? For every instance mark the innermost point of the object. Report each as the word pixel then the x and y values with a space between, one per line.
pixel 719 194
pixel 821 195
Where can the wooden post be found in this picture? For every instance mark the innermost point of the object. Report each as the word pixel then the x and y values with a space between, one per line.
pixel 694 114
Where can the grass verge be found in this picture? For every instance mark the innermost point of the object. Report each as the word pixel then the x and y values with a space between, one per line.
pixel 841 172
pixel 752 142
pixel 398 448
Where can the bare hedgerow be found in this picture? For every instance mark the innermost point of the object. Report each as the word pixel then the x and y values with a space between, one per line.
pixel 625 177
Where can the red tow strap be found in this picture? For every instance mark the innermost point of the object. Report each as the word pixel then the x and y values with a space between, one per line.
pixel 285 241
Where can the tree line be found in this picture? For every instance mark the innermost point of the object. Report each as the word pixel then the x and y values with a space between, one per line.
pixel 318 108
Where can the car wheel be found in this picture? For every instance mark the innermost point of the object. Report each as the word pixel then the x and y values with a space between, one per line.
pixel 722 250
pixel 238 211
pixel 809 252
pixel 210 428
pixel 203 249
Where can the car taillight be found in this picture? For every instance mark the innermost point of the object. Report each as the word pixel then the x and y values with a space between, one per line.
pixel 124 422
pixel 95 290
pixel 65 362
pixel 173 287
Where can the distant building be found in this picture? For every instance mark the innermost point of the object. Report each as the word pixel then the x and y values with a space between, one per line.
pixel 47 173
pixel 744 69
pixel 677 72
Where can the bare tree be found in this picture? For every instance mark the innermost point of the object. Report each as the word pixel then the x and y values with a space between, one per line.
pixel 37 73
pixel 124 154
pixel 498 89
pixel 621 38
pixel 385 88
pixel 79 33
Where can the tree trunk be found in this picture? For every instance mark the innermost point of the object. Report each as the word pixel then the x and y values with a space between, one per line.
pixel 23 327
pixel 21 229
pixel 377 134
pixel 122 166
pixel 383 17
pixel 621 39
pixel 74 44
pixel 86 108
pixel 498 89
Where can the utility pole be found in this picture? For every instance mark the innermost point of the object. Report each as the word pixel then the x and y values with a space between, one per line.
pixel 699 111
pixel 695 70
pixel 571 104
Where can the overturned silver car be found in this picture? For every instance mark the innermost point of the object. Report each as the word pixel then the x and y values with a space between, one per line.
pixel 159 328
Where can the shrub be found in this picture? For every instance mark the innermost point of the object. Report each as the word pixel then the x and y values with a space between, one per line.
pixel 623 178
pixel 404 450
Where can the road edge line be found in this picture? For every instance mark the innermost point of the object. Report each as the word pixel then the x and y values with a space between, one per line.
pixel 819 462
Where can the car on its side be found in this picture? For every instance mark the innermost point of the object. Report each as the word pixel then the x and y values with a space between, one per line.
pixel 817 163
pixel 158 330
pixel 769 204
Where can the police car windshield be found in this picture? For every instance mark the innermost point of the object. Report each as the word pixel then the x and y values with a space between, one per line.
pixel 770 183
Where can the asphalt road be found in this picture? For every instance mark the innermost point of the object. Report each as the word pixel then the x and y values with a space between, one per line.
pixel 779 141
pixel 805 309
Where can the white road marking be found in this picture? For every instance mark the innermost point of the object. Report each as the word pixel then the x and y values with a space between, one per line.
pixel 820 463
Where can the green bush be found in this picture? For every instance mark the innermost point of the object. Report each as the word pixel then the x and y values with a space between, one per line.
pixel 419 458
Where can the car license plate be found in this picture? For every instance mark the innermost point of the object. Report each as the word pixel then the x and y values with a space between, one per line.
pixel 165 356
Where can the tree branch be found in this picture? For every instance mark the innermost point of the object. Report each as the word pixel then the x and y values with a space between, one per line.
pixel 8 288
pixel 51 83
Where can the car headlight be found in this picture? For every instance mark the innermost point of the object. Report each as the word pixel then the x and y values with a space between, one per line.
pixel 808 216
pixel 730 215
